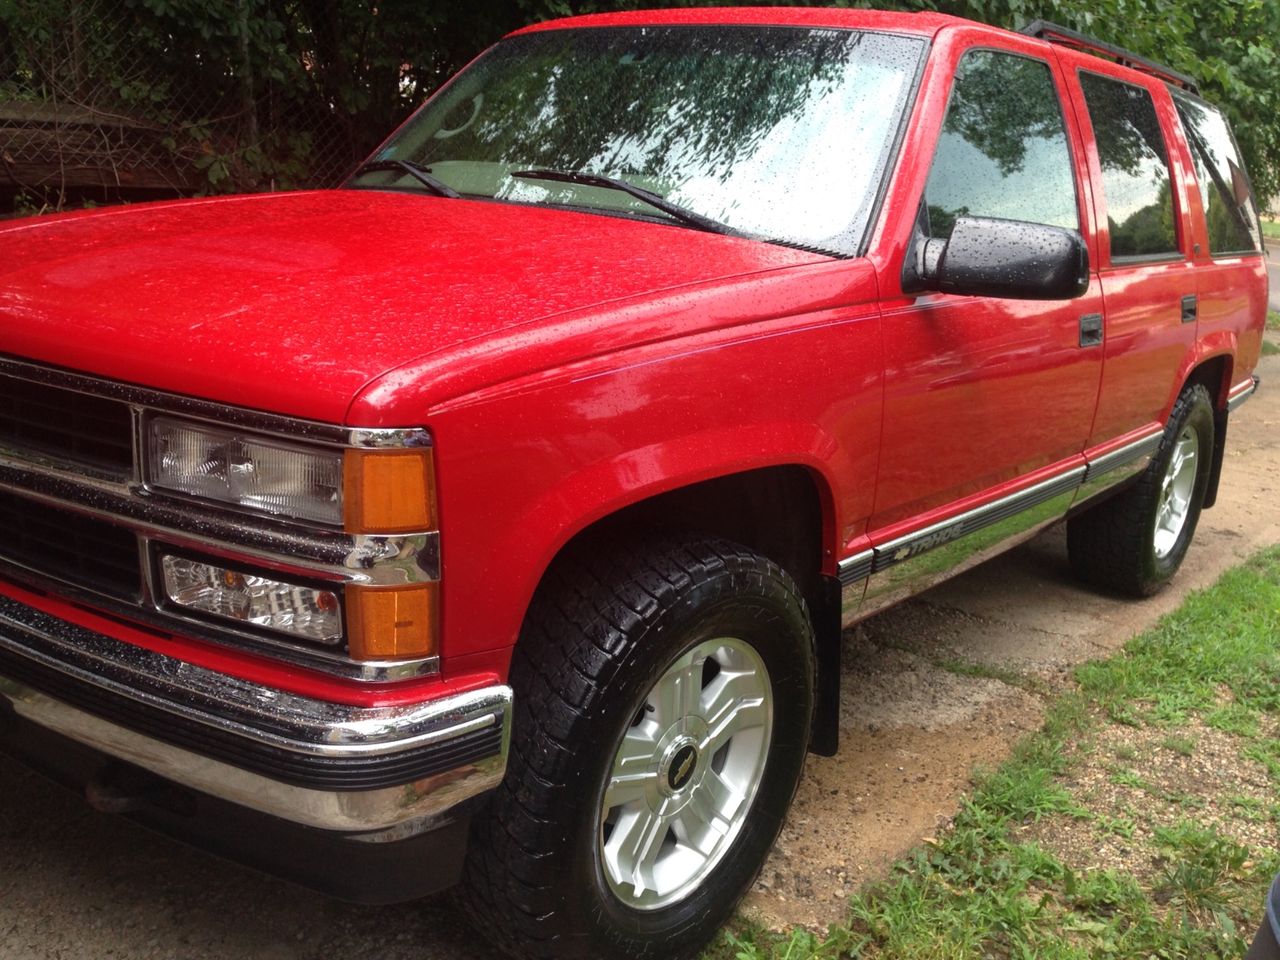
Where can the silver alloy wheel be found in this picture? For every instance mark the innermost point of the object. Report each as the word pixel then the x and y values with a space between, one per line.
pixel 1176 491
pixel 685 773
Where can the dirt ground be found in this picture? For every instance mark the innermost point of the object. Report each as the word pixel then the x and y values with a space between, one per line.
pixel 75 883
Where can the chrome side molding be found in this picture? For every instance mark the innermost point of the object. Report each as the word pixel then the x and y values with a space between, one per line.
pixel 1242 392
pixel 917 560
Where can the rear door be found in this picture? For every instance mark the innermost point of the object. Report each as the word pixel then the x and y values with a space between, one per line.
pixel 1148 279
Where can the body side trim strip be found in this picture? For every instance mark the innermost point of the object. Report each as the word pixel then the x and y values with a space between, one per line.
pixel 1142 447
pixel 1242 392
pixel 855 568
pixel 945 531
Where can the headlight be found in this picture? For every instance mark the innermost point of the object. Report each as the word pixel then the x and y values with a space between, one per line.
pixel 248 471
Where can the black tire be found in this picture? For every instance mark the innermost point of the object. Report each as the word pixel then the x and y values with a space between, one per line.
pixel 1113 544
pixel 600 634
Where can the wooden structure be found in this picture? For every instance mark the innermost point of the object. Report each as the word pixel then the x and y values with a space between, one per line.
pixel 45 145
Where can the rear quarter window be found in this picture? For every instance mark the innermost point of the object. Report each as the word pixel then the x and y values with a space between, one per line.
pixel 1230 213
pixel 1136 189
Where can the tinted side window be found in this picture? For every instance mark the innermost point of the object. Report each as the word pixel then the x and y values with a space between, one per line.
pixel 1228 203
pixel 1003 150
pixel 1135 168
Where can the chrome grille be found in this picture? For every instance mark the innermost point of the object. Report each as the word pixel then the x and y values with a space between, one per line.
pixel 74 511
pixel 66 425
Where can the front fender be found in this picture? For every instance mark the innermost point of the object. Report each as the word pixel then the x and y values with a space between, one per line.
pixel 526 467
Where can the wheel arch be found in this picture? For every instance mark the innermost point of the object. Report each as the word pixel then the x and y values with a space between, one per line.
pixel 784 512
pixel 1214 374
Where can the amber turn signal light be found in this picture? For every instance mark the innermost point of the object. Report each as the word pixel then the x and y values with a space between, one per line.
pixel 389 491
pixel 390 623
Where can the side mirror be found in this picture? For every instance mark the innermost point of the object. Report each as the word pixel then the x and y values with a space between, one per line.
pixel 986 257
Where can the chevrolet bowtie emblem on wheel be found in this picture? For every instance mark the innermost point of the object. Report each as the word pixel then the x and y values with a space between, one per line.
pixel 683 766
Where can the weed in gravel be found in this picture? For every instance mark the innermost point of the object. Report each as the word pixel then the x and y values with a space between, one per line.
pixel 1124 777
pixel 1252 809
pixel 1123 827
pixel 964 668
pixel 1234 718
pixel 1267 753
pixel 1201 868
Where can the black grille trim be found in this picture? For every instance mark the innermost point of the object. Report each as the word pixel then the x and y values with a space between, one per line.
pixel 66 425
pixel 339 774
pixel 69 547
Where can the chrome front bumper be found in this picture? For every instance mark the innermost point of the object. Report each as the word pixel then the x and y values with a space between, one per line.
pixel 384 772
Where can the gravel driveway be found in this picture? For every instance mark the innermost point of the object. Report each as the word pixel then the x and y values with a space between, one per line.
pixel 75 883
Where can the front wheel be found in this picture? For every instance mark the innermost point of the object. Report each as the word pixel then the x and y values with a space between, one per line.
pixel 662 719
pixel 1135 542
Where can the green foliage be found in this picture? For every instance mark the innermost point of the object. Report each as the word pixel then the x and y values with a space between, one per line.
pixel 1232 47
pixel 337 75
pixel 1223 637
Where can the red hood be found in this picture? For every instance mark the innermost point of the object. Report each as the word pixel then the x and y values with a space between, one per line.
pixel 293 302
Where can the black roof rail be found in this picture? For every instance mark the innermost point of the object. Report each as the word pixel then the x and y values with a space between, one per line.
pixel 1070 38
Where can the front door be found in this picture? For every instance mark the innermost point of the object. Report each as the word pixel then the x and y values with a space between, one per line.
pixel 981 391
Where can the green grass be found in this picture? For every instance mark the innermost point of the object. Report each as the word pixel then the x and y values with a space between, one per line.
pixel 988 888
pixel 1271 228
pixel 1273 319
pixel 1183 746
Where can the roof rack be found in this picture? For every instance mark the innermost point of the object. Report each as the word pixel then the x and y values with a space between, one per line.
pixel 1070 38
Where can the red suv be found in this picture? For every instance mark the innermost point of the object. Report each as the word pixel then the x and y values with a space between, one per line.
pixel 496 516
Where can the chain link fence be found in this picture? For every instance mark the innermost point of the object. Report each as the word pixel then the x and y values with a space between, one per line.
pixel 104 100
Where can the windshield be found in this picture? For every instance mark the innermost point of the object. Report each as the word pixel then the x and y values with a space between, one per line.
pixel 777 133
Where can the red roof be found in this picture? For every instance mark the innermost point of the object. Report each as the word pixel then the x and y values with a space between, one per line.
pixel 921 24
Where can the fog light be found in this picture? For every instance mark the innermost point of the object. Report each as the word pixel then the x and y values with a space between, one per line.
pixel 289 608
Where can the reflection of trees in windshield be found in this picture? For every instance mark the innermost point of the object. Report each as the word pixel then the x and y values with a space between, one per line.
pixel 779 132
pixel 645 102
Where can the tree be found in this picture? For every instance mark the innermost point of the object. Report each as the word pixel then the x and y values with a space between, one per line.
pixel 263 92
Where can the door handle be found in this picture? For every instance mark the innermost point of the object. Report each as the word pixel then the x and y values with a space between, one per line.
pixel 1091 330
pixel 1190 309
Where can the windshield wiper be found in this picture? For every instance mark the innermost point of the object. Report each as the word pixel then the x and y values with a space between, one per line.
pixel 680 213
pixel 417 171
